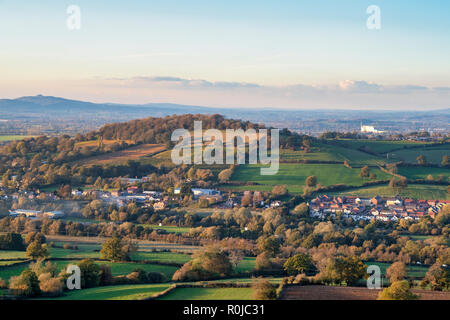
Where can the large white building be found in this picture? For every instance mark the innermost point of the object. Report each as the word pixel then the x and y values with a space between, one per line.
pixel 369 129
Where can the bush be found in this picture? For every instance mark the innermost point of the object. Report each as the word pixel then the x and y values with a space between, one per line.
pixel 25 285
pixel 51 286
pixel 90 273
pixel 263 290
pixel 3 284
pixel 105 274
pixel 398 290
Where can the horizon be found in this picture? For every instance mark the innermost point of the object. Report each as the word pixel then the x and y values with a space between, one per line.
pixel 288 55
pixel 375 110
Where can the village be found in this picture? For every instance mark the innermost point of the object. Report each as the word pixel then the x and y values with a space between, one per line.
pixel 384 209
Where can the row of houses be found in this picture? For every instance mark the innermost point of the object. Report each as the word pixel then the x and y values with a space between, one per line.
pixel 380 208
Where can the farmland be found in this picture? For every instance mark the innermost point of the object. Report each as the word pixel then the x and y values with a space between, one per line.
pixel 209 294
pixel 122 292
pixel 132 153
pixel 294 175
pixel 348 293
pixel 6 138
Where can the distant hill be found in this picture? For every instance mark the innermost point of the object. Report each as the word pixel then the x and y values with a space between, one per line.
pixel 66 115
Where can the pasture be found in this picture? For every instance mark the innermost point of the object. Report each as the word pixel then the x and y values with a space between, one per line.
pixel 293 175
pixel 122 292
pixel 432 154
pixel 7 138
pixel 423 172
pixel 380 146
pixel 209 294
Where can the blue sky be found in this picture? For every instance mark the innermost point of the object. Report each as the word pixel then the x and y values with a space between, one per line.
pixel 293 54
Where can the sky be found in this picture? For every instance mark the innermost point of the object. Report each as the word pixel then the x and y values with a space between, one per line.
pixel 234 53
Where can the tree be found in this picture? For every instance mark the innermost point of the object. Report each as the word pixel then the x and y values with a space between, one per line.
pixel 445 160
pixel 348 270
pixel 235 256
pixel 398 290
pixel 11 241
pixel 396 272
pixel 36 250
pixel 90 273
pixel 421 160
pixel 26 285
pixel 113 250
pixel 365 172
pixel 279 191
pixel 269 245
pixel 300 263
pixel 443 216
pixel 263 290
pixel 311 181
pixel 225 175
pixel 50 286
pixel 301 210
pixel 438 277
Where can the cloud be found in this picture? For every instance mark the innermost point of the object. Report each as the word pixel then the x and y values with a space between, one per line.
pixel 359 86
pixel 344 94
pixel 176 82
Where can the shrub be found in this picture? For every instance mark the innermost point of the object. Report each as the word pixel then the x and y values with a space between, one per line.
pixel 263 290
pixel 398 290
pixel 25 285
pixel 50 286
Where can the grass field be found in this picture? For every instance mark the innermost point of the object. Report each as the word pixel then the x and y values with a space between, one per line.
pixel 123 292
pixel 416 191
pixel 246 265
pixel 6 138
pixel 415 271
pixel 209 294
pixel 120 268
pixel 433 154
pixel 332 153
pixel 6 254
pixel 380 146
pixel 170 229
pixel 162 256
pixel 294 176
pixel 423 172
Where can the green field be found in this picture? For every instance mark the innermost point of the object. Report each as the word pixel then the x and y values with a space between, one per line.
pixel 433 154
pixel 6 254
pixel 209 294
pixel 294 175
pixel 331 152
pixel 122 292
pixel 170 229
pixel 415 271
pixel 380 146
pixel 119 268
pixel 162 256
pixel 423 172
pixel 416 191
pixel 5 138
pixel 246 265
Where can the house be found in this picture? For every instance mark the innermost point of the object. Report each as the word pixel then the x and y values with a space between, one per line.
pixel 363 201
pixel 394 202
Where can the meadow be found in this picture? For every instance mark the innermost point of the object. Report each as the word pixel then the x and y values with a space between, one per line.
pixel 122 292
pixel 293 175
pixel 423 172
pixel 379 146
pixel 6 138
pixel 209 294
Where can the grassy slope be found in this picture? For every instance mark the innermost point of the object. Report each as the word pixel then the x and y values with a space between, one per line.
pixel 294 175
pixel 123 292
pixel 210 294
